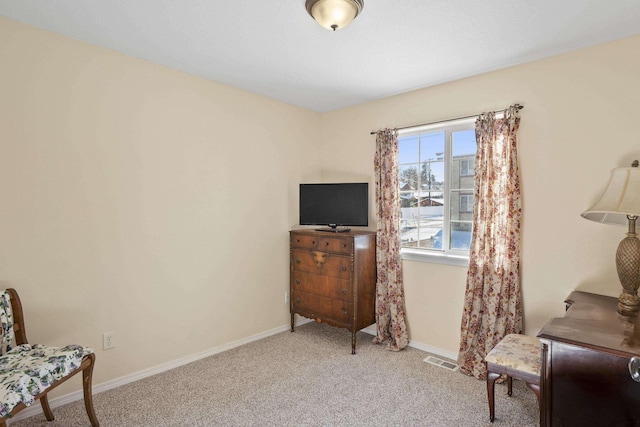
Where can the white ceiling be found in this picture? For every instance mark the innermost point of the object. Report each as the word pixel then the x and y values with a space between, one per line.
pixel 274 48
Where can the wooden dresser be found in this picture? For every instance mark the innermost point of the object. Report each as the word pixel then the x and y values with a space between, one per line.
pixel 586 380
pixel 333 278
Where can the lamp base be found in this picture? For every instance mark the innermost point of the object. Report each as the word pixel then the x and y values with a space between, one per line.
pixel 628 305
pixel 628 266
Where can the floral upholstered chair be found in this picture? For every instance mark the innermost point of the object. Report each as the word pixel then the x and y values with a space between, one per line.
pixel 516 356
pixel 29 371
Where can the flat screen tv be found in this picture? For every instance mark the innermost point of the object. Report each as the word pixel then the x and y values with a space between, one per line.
pixel 338 204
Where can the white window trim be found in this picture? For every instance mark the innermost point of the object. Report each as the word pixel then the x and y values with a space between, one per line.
pixel 409 254
pixel 450 257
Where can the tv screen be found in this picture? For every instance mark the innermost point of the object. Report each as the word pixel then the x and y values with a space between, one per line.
pixel 338 204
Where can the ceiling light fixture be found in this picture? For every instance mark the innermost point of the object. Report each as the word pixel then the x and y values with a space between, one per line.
pixel 334 14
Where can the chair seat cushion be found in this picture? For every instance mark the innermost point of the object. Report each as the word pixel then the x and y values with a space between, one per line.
pixel 518 352
pixel 28 369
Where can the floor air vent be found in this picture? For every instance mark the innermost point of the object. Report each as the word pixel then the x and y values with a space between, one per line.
pixel 442 363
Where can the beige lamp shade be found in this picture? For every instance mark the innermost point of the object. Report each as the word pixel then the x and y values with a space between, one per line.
pixel 334 14
pixel 620 199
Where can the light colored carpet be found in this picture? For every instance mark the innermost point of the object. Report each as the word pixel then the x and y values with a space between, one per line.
pixel 305 378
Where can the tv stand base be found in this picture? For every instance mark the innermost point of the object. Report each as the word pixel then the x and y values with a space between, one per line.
pixel 334 230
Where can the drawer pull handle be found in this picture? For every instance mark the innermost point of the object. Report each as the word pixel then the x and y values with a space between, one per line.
pixel 313 242
pixel 297 300
pixel 320 258
pixel 344 268
pixel 344 291
pixel 634 368
pixel 297 281
pixel 326 243
pixel 344 311
pixel 344 245
pixel 297 260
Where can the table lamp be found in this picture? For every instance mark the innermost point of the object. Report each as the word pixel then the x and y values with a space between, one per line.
pixel 620 205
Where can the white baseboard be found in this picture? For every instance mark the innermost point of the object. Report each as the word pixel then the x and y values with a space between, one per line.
pixel 77 395
pixel 420 346
pixel 99 388
pixel 434 350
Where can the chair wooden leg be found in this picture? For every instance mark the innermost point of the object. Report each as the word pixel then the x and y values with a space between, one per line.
pixel 509 385
pixel 491 380
pixel 44 402
pixel 536 389
pixel 87 375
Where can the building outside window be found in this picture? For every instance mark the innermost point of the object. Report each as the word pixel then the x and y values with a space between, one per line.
pixel 436 181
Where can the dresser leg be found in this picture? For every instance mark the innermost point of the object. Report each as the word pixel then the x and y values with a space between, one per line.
pixel 353 343
pixel 293 324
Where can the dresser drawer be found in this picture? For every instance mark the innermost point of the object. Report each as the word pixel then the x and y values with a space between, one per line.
pixel 329 287
pixel 335 244
pixel 304 241
pixel 323 263
pixel 318 307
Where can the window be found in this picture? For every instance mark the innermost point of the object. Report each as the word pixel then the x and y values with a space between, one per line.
pixel 466 167
pixel 436 178
pixel 466 203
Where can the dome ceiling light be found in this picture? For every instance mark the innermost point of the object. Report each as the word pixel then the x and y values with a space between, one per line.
pixel 334 14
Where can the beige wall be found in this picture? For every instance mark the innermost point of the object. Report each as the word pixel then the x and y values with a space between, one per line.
pixel 142 200
pixel 580 122
pixel 146 201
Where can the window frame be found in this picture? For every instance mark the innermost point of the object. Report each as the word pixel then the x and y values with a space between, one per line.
pixel 444 256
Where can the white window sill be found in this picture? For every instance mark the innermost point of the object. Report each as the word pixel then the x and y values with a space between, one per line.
pixel 434 257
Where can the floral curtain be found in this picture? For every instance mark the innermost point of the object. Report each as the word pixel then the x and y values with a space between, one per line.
pixel 493 301
pixel 390 307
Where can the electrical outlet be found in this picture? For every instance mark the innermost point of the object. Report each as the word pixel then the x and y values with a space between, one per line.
pixel 108 340
pixel 286 297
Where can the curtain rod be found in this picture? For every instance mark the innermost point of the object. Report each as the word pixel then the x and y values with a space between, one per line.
pixel 518 107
